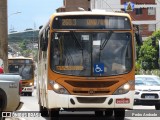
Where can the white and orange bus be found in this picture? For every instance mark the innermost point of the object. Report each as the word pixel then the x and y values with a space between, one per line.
pixel 86 62
pixel 25 67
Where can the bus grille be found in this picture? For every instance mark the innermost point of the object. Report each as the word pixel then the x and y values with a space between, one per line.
pixel 91 99
pixel 91 92
pixel 24 84
pixel 91 84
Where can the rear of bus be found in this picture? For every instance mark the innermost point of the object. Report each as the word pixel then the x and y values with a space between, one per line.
pixel 24 67
pixel 90 63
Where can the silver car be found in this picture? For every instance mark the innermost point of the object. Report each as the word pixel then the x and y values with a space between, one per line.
pixel 147 90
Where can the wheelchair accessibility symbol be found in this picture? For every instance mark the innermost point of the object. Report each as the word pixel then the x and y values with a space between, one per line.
pixel 99 68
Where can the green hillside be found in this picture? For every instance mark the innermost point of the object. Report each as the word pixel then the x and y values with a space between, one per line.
pixel 31 35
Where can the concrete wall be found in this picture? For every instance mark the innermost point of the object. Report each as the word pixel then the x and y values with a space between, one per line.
pixel 107 5
pixel 3 33
pixel 158 15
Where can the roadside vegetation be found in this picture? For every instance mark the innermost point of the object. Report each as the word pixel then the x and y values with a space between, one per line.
pixel 27 50
pixel 148 61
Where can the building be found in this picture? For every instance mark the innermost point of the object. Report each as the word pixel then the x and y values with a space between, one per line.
pixel 74 5
pixel 144 13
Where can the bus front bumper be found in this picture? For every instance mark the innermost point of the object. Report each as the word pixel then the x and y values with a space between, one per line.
pixel 76 101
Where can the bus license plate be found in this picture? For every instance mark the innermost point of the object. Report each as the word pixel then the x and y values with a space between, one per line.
pixel 29 88
pixel 123 101
pixel 149 97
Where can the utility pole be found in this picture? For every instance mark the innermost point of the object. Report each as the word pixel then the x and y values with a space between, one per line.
pixel 4 34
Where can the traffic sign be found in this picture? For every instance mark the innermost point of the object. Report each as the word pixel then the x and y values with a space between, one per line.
pixel 129 6
pixel 99 68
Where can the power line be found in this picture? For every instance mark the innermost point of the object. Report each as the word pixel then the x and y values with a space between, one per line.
pixel 108 5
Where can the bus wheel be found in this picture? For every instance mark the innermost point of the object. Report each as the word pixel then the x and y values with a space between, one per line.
pixel 98 113
pixel 53 114
pixel 109 113
pixel 119 114
pixel 30 94
pixel 43 111
pixel 157 107
pixel 25 94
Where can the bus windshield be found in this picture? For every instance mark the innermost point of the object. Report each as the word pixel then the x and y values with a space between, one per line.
pixel 26 71
pixel 91 53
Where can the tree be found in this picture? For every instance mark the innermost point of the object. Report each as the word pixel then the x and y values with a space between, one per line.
pixel 23 45
pixel 156 34
pixel 148 54
pixel 4 34
pixel 26 52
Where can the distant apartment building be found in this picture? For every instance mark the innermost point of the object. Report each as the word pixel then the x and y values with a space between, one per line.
pixel 145 13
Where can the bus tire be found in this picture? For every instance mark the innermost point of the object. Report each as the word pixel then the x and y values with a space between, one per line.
pixel 29 93
pixel 109 113
pixel 43 111
pixel 119 114
pixel 98 113
pixel 157 106
pixel 53 114
pixel 25 93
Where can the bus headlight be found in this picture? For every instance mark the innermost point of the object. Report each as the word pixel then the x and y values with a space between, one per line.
pixel 124 88
pixel 58 88
pixel 30 84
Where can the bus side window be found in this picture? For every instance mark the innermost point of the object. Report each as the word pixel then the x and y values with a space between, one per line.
pixel 43 44
pixel 44 40
pixel 40 49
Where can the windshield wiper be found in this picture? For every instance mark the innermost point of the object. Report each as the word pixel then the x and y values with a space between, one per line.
pixel 104 43
pixel 79 44
pixel 106 40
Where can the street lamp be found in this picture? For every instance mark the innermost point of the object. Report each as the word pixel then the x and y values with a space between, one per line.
pixel 18 12
pixel 14 13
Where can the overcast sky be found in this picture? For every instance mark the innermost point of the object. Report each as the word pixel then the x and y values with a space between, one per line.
pixel 33 13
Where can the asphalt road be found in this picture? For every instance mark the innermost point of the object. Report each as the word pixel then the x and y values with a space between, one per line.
pixel 31 104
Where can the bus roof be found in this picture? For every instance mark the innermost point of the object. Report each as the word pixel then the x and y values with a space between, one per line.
pixel 95 12
pixel 20 57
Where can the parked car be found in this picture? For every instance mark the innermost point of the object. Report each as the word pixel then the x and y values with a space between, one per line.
pixel 147 90
pixel 10 90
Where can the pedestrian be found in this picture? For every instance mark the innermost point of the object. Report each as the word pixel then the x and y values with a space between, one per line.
pixel 1 70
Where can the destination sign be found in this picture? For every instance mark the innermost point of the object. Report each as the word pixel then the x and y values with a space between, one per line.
pixel 91 22
pixel 19 61
pixel 88 22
